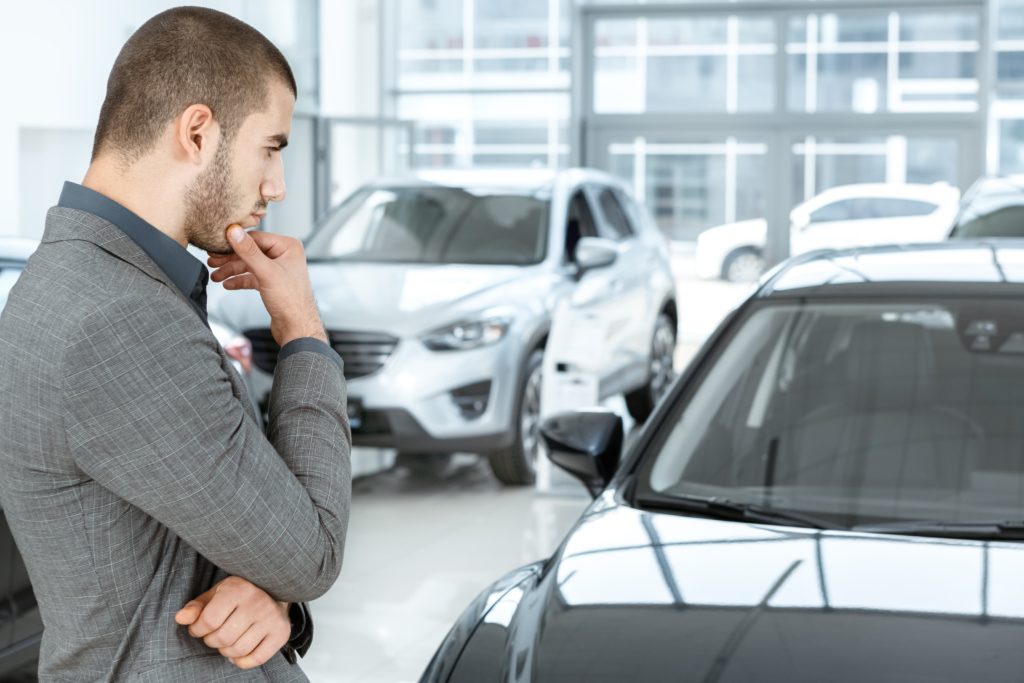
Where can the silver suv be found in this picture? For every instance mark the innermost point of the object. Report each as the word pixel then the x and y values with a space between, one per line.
pixel 438 292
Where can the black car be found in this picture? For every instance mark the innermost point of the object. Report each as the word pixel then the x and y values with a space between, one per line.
pixel 993 207
pixel 21 627
pixel 833 491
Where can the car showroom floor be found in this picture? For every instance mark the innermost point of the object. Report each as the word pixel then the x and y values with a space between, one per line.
pixel 421 546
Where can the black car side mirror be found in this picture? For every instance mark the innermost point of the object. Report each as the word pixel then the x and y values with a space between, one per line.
pixel 585 443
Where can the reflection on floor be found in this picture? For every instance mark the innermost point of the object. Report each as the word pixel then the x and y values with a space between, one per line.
pixel 420 547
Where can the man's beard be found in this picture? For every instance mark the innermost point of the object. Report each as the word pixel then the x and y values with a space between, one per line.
pixel 210 203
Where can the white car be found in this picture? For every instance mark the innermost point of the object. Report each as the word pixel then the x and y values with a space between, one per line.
pixel 842 217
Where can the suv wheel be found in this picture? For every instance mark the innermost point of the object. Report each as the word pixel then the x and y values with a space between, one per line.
pixel 743 265
pixel 641 401
pixel 517 464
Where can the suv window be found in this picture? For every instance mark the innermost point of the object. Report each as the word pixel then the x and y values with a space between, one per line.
pixel 615 223
pixel 579 223
pixel 842 210
pixel 893 207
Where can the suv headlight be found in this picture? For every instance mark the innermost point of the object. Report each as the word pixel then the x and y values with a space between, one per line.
pixel 468 335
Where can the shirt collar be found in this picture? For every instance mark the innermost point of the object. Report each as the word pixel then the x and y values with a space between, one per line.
pixel 186 271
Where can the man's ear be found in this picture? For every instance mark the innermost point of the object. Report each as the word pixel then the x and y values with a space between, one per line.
pixel 196 134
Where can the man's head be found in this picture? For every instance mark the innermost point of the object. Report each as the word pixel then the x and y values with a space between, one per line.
pixel 210 98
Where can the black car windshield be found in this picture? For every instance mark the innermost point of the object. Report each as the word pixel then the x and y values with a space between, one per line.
pixel 857 413
pixel 435 224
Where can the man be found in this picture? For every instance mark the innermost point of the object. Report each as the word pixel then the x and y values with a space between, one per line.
pixel 167 538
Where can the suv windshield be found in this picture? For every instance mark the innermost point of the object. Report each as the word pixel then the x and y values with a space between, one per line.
pixel 434 224
pixel 858 413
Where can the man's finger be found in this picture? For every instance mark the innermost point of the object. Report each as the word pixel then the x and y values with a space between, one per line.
pixel 272 244
pixel 189 613
pixel 245 644
pixel 216 260
pixel 230 631
pixel 213 616
pixel 246 281
pixel 261 655
pixel 193 608
pixel 228 270
pixel 247 249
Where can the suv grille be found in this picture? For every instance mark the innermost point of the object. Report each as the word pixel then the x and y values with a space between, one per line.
pixel 363 352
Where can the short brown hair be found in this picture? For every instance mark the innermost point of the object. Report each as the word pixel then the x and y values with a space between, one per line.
pixel 181 57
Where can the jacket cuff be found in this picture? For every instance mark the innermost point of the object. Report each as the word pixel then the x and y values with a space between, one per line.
pixel 310 344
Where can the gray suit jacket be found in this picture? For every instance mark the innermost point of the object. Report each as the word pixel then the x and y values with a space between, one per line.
pixel 134 474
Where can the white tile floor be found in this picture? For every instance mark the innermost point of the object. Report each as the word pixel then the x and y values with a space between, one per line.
pixel 421 547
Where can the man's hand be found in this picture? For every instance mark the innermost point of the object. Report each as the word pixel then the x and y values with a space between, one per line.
pixel 239 620
pixel 275 266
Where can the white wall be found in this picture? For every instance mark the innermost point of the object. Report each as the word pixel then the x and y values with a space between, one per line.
pixel 58 53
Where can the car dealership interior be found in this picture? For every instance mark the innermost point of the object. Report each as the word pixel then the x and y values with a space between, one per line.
pixel 682 339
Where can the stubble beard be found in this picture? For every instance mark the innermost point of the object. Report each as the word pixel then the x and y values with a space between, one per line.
pixel 211 200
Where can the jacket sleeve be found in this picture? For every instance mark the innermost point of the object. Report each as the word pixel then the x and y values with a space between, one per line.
pixel 150 415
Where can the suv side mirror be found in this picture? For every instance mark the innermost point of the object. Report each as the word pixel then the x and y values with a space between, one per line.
pixel 799 219
pixel 585 443
pixel 595 252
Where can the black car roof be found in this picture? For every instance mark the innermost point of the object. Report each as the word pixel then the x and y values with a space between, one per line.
pixel 970 268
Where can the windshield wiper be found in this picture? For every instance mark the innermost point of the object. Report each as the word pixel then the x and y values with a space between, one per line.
pixel 1006 530
pixel 723 508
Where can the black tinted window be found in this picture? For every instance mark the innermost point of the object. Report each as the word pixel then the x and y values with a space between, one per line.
pixel 870 411
pixel 614 216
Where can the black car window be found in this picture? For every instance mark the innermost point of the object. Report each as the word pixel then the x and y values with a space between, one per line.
pixel 615 224
pixel 858 412
pixel 579 223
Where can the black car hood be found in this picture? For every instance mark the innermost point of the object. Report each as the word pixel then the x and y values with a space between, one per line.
pixel 638 596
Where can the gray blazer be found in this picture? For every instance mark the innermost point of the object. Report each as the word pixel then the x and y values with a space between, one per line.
pixel 134 474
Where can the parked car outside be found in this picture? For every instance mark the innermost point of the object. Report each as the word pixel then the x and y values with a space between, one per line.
pixel 993 207
pixel 438 290
pixel 21 626
pixel 831 491
pixel 841 217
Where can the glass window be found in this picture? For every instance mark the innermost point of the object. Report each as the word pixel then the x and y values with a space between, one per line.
pixel 616 225
pixel 843 210
pixel 685 64
pixel 822 163
pixel 481 129
pixel 434 225
pixel 691 185
pixel 892 207
pixel 860 412
pixel 843 62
